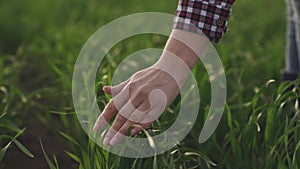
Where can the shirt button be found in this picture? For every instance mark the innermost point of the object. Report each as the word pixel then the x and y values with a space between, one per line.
pixel 218 2
pixel 220 22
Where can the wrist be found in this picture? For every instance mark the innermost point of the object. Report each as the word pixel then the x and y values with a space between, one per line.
pixel 174 66
pixel 187 46
pixel 181 53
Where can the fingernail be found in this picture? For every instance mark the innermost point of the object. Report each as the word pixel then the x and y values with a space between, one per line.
pixel 106 141
pixel 96 126
pixel 132 132
pixel 99 124
pixel 113 141
pixel 105 87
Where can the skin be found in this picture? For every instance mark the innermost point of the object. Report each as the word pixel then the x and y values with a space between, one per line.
pixel 142 98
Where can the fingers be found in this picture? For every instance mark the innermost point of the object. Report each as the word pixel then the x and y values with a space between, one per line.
pixel 114 90
pixel 134 107
pixel 147 111
pixel 128 115
pixel 106 115
pixel 112 107
pixel 151 115
pixel 121 124
pixel 120 135
pixel 136 112
pixel 116 126
pixel 117 134
pixel 135 104
pixel 145 120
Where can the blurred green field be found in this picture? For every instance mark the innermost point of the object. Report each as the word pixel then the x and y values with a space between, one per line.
pixel 39 44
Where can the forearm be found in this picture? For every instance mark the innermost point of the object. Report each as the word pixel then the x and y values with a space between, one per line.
pixel 181 53
pixel 183 45
pixel 187 46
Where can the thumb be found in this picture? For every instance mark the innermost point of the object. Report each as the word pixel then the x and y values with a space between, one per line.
pixel 115 89
pixel 107 89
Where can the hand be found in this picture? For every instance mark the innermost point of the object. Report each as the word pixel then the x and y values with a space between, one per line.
pixel 143 97
pixel 140 100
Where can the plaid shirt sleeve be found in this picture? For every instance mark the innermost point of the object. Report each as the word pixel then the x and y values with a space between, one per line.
pixel 203 16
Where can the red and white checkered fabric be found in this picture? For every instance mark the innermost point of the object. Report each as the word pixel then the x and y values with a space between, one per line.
pixel 203 16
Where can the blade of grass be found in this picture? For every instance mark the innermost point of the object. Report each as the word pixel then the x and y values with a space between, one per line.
pixel 4 150
pixel 69 138
pixel 23 148
pixel 50 164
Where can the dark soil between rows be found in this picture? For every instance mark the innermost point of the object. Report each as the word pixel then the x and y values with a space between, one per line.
pixel 52 142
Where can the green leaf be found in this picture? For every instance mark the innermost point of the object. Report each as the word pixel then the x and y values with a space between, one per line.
pixel 55 160
pixel 4 150
pixel 229 117
pixel 4 90
pixel 74 157
pixel 62 113
pixel 86 160
pixel 13 139
pixel 23 148
pixel 155 166
pixel 50 164
pixel 69 138
pixel 295 152
pixel 193 152
pixel 9 125
pixel 2 115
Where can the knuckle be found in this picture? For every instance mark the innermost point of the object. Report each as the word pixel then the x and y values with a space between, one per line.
pixel 120 118
pixel 110 105
pixel 123 130
pixel 140 96
pixel 142 91
pixel 134 118
pixel 145 106
pixel 132 86
pixel 110 133
pixel 136 101
pixel 150 118
pixel 138 74
pixel 134 76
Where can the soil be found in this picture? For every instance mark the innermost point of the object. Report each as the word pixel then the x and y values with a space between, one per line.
pixel 33 76
pixel 52 142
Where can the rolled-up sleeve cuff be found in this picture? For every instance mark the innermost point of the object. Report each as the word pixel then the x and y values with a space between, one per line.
pixel 203 16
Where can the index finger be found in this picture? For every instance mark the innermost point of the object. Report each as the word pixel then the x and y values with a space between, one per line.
pixel 107 114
